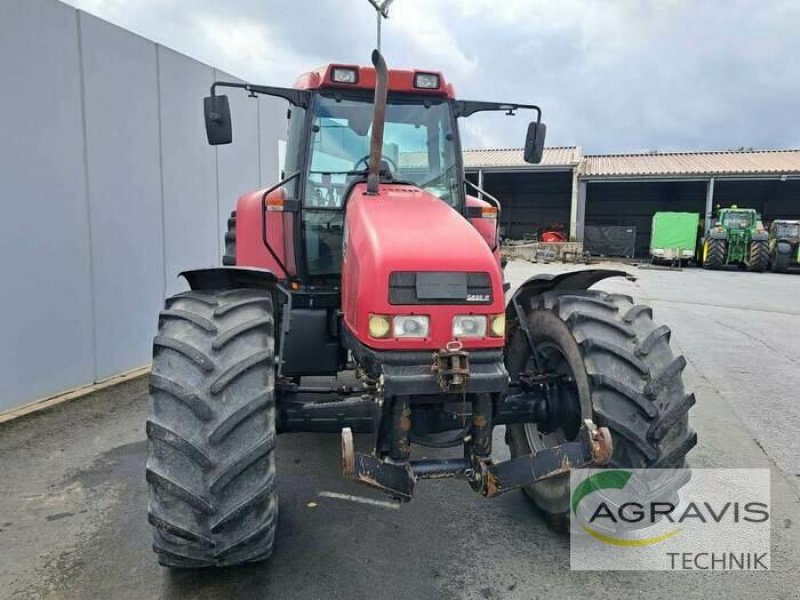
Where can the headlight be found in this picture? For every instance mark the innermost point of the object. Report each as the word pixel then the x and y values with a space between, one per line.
pixel 498 325
pixel 426 81
pixel 380 326
pixel 469 326
pixel 344 75
pixel 410 326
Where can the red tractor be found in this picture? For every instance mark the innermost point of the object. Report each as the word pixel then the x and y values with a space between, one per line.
pixel 369 256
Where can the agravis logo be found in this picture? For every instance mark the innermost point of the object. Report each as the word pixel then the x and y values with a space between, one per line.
pixel 670 519
pixel 616 479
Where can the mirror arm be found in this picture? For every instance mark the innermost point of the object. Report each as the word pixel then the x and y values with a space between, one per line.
pixel 300 98
pixel 465 108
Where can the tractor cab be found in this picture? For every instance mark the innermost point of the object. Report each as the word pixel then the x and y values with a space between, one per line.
pixel 419 148
pixel 330 149
pixel 737 219
pixel 783 229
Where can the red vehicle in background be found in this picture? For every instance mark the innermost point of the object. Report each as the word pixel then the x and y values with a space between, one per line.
pixel 553 236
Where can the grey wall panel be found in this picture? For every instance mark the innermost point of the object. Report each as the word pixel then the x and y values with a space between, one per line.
pixel 121 99
pixel 273 125
pixel 46 335
pixel 189 168
pixel 237 163
pixel 109 189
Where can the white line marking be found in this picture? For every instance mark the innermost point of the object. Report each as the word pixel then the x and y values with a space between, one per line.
pixel 360 499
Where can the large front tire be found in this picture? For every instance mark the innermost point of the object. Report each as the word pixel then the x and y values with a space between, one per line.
pixel 714 253
pixel 624 371
pixel 780 262
pixel 211 430
pixel 758 259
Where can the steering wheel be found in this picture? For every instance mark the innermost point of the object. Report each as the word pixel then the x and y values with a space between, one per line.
pixel 392 165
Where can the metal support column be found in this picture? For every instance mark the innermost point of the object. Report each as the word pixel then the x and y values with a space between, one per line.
pixel 573 207
pixel 480 183
pixel 708 223
pixel 580 212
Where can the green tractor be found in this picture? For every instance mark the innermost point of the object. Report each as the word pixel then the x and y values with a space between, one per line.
pixel 784 245
pixel 737 238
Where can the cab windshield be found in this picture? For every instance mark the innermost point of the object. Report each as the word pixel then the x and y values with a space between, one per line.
pixel 418 147
pixel 737 219
pixel 787 230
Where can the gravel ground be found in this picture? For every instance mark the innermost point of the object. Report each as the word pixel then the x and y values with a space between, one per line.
pixel 73 496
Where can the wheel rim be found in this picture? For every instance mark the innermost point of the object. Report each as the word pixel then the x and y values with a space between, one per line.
pixel 554 362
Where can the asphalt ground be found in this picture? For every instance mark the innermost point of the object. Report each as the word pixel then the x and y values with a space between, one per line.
pixel 73 496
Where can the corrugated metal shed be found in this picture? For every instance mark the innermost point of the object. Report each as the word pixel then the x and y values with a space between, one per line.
pixel 511 158
pixel 760 162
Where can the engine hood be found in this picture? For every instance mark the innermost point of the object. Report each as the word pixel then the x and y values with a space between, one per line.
pixel 405 229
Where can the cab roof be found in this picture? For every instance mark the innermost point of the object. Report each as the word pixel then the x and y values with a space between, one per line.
pixel 400 80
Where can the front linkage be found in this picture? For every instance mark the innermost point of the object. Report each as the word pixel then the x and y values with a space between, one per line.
pixel 398 479
pixel 544 400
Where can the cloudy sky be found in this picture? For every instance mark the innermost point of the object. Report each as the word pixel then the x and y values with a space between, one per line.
pixel 610 75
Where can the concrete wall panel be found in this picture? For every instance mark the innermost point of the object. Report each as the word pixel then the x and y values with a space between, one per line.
pixel 121 88
pixel 109 189
pixel 189 168
pixel 46 301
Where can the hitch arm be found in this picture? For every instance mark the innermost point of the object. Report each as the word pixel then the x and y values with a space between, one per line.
pixel 592 447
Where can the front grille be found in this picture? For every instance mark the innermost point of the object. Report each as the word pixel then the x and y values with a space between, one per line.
pixel 439 287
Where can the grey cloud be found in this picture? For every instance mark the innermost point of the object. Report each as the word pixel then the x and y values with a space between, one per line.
pixel 610 76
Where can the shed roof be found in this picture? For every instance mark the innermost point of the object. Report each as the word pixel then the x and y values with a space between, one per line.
pixel 511 158
pixel 746 162
pixel 663 164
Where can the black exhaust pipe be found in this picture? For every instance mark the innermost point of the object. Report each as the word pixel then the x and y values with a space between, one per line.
pixel 378 121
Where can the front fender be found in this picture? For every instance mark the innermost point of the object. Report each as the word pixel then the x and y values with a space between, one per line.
pixel 759 236
pixel 229 278
pixel 548 282
pixel 521 303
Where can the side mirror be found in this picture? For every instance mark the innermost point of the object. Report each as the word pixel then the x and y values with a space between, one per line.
pixel 534 143
pixel 218 120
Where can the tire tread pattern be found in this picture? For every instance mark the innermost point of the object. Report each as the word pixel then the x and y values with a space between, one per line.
pixel 637 383
pixel 211 430
pixel 758 259
pixel 634 380
pixel 715 255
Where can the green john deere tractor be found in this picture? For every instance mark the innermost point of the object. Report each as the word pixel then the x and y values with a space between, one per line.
pixel 737 238
pixel 784 245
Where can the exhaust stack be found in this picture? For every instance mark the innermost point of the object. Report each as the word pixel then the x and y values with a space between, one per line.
pixel 378 121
